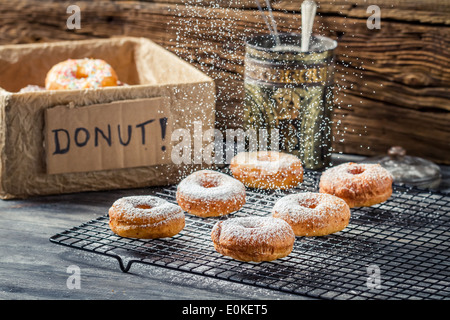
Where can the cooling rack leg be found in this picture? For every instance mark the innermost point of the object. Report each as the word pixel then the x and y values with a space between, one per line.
pixel 122 265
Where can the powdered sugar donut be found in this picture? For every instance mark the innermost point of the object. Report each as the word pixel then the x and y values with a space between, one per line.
pixel 360 185
pixel 267 169
pixel 145 217
pixel 253 238
pixel 313 214
pixel 80 74
pixel 207 193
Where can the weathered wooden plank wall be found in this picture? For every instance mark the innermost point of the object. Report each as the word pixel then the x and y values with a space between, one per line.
pixel 393 84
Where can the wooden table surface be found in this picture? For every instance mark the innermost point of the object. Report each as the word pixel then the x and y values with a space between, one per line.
pixel 33 268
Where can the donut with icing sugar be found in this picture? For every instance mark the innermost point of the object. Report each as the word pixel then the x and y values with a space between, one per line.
pixel 145 217
pixel 253 238
pixel 360 185
pixel 80 74
pixel 267 169
pixel 208 193
pixel 312 213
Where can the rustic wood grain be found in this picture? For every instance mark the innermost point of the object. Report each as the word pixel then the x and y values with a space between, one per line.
pixel 426 11
pixel 392 84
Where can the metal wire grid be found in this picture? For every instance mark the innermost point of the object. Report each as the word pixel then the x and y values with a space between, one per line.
pixel 401 245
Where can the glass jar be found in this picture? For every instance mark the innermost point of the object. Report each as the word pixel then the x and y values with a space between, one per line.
pixel 291 93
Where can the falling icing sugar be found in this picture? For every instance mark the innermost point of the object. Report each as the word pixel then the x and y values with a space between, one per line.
pixel 215 39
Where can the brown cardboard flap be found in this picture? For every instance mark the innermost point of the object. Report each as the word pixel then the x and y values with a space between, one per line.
pixel 29 163
pixel 121 134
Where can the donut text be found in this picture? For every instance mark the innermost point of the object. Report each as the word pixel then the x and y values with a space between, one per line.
pixel 116 135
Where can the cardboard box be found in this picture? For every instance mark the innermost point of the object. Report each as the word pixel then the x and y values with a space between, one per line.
pixel 66 141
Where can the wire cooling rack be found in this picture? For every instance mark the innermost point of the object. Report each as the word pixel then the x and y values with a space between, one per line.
pixel 399 249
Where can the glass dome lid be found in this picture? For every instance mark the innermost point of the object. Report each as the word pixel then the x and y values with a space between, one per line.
pixel 408 170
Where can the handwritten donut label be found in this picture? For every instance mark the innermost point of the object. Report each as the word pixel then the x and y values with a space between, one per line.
pixel 116 135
